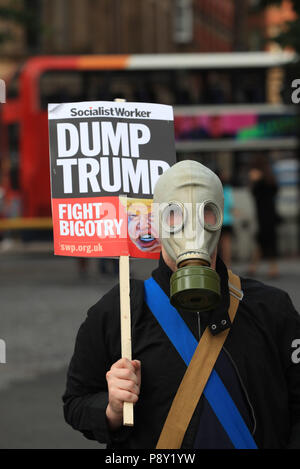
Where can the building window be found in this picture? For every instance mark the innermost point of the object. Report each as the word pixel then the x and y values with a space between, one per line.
pixel 183 21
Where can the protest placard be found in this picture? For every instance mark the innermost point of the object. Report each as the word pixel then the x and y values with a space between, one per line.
pixel 100 151
pixel 105 159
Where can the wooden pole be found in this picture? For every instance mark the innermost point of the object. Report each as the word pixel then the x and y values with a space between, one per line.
pixel 125 327
pixel 124 275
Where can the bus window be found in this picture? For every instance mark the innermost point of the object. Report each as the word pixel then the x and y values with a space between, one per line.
pixel 174 87
pixel 60 86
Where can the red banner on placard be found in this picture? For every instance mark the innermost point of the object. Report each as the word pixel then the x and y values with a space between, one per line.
pixel 104 227
pixel 93 227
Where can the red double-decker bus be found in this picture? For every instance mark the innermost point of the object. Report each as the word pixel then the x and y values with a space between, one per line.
pixel 222 106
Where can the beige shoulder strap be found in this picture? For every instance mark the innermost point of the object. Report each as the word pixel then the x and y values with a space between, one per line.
pixel 196 376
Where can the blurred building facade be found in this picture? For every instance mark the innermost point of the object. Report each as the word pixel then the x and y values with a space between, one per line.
pixel 135 26
pixel 124 26
pixel 221 26
pixel 99 27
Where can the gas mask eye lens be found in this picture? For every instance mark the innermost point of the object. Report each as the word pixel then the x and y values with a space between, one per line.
pixel 173 217
pixel 209 213
pixel 209 216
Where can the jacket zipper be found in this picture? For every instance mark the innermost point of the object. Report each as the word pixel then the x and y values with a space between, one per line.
pixel 243 387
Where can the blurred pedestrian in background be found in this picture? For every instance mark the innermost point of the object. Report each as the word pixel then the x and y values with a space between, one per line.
pixel 264 189
pixel 11 207
pixel 83 267
pixel 105 266
pixel 228 220
pixel 2 194
pixel 108 266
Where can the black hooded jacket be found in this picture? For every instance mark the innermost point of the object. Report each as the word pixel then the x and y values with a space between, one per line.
pixel 261 347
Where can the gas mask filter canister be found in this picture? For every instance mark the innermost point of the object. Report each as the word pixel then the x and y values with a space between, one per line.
pixel 188 205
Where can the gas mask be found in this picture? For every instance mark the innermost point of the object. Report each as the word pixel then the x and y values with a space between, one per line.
pixel 188 207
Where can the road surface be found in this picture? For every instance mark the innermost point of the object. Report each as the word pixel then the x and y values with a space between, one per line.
pixel 44 299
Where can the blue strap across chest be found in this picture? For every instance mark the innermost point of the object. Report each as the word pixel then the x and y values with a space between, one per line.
pixel 186 344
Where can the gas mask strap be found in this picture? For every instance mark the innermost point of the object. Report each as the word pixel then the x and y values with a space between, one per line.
pixel 200 359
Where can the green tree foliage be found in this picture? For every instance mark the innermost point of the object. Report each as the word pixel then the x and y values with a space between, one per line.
pixel 290 36
pixel 17 12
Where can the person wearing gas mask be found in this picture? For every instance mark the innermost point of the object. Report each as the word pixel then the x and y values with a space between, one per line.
pixel 215 359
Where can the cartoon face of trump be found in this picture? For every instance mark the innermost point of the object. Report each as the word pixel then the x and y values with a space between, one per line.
pixel 140 225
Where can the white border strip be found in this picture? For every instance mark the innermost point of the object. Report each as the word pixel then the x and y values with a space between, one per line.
pixel 211 60
pixel 211 110
pixel 114 110
pixel 191 146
